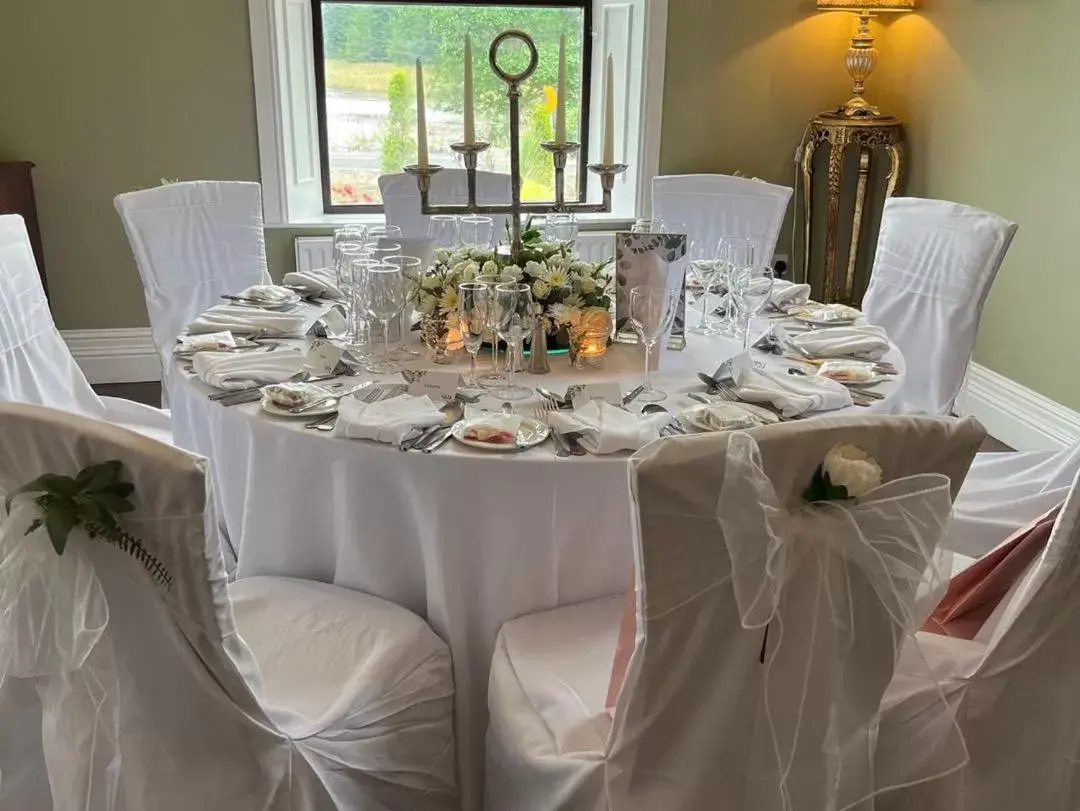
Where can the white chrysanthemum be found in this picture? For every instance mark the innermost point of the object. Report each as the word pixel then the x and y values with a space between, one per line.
pixel 853 468
pixel 442 256
pixel 586 285
pixel 574 300
pixel 557 277
pixel 540 289
pixel 448 300
pixel 426 304
pixel 490 266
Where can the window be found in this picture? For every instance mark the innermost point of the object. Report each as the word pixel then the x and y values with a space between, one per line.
pixel 365 78
pixel 335 95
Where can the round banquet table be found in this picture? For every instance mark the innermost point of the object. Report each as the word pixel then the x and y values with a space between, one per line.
pixel 467 539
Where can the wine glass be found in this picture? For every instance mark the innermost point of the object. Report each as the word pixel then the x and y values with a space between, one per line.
pixel 751 288
pixel 495 377
pixel 384 232
pixel 704 267
pixel 652 312
pixel 345 255
pixel 358 332
pixel 443 231
pixel 381 249
pixel 474 306
pixel 561 228
pixel 653 226
pixel 411 271
pixel 733 253
pixel 384 289
pixel 476 232
pixel 514 315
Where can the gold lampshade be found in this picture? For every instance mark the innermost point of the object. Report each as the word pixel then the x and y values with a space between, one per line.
pixel 862 56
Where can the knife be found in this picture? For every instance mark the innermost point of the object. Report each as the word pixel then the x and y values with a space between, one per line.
pixel 335 396
pixel 438 440
pixel 633 395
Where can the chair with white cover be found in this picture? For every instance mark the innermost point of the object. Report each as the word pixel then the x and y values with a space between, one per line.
pixel 137 679
pixel 36 365
pixel 934 267
pixel 1005 492
pixel 401 198
pixel 1015 689
pixel 192 242
pixel 715 206
pixel 732 569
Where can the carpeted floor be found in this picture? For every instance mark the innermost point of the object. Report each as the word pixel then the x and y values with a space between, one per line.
pixel 150 393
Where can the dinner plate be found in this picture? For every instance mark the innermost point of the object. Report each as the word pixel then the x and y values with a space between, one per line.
pixel 693 416
pixel 530 433
pixel 294 299
pixel 282 411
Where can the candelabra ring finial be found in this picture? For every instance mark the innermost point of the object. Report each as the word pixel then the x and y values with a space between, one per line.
pixel 513 79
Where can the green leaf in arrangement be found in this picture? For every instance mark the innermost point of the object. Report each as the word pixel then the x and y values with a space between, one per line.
pixel 120 489
pixel 59 485
pixel 100 477
pixel 112 503
pixel 59 523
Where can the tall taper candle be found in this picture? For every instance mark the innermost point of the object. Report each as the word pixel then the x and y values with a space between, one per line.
pixel 421 117
pixel 560 95
pixel 470 122
pixel 609 113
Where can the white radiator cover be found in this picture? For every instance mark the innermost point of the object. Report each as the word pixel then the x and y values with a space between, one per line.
pixel 317 252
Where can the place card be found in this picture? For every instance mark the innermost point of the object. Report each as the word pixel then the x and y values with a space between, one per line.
pixel 322 357
pixel 609 392
pixel 438 386
pixel 734 367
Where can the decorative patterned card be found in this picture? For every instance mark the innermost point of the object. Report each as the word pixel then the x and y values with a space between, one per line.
pixel 649 259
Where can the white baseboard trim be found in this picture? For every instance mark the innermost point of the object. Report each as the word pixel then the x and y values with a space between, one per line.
pixel 1016 415
pixel 114 355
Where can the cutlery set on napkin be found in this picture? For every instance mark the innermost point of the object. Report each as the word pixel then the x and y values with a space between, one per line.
pixel 320 281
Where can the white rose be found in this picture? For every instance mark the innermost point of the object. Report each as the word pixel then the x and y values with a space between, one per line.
pixel 426 305
pixel 534 269
pixel 430 283
pixel 490 266
pixel 442 256
pixel 851 467
pixel 512 273
pixel 586 285
pixel 540 289
pixel 584 268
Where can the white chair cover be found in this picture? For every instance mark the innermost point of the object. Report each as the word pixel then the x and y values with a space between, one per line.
pixel 699 719
pixel 36 365
pixel 1017 694
pixel 1005 492
pixel 715 206
pixel 192 242
pixel 934 267
pixel 156 686
pixel 401 198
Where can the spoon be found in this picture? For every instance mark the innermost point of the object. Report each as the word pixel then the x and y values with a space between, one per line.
pixel 708 380
pixel 672 428
pixel 555 398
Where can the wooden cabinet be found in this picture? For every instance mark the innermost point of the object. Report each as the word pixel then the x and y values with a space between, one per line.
pixel 17 197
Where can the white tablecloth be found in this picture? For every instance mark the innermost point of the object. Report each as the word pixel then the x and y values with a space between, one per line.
pixel 467 539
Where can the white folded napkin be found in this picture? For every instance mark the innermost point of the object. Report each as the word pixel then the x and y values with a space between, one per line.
pixel 229 370
pixel 792 394
pixel 268 293
pixel 387 420
pixel 248 321
pixel 788 294
pixel 865 341
pixel 322 281
pixel 605 428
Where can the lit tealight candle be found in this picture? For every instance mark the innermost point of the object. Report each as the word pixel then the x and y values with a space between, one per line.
pixel 421 118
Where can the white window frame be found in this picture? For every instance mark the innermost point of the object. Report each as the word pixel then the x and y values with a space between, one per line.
pixel 633 31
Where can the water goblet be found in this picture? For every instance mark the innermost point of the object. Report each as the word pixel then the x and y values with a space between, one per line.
pixel 652 312
pixel 476 232
pixel 704 268
pixel 443 231
pixel 495 377
pixel 751 288
pixel 733 253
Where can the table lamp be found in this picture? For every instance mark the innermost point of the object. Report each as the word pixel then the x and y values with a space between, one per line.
pixel 862 57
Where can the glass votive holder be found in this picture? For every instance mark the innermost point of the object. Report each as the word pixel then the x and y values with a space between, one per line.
pixel 589 340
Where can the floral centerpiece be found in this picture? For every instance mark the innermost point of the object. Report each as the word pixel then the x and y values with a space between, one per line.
pixel 565 289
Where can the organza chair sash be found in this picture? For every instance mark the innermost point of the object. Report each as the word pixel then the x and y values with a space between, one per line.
pixel 54 633
pixel 822 566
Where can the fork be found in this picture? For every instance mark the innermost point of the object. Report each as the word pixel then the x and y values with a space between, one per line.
pixel 543 411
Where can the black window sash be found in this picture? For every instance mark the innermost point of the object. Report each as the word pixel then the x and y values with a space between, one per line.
pixel 318 49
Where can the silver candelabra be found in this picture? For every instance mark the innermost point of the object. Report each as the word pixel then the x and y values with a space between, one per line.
pixel 559 154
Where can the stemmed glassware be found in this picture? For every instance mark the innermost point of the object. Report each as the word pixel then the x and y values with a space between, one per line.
pixel 751 288
pixel 561 228
pixel 652 312
pixel 476 232
pixel 495 377
pixel 514 310
pixel 411 271
pixel 384 289
pixel 356 260
pixel 377 232
pixel 653 226
pixel 733 253
pixel 704 266
pixel 443 231
pixel 474 314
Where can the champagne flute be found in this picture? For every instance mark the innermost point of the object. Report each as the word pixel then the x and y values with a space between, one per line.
pixel 751 288
pixel 652 312
pixel 495 377
pixel 514 307
pixel 443 231
pixel 411 271
pixel 384 289
pixel 474 305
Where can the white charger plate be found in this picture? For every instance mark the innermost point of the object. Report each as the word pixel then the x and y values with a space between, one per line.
pixel 530 434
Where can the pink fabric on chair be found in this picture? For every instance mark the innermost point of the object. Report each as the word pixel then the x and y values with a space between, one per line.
pixel 976 592
pixel 624 647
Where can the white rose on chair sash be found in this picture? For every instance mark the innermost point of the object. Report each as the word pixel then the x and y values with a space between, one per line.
pixel 814 562
pixel 53 632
